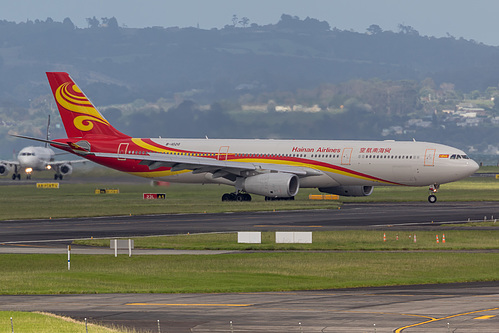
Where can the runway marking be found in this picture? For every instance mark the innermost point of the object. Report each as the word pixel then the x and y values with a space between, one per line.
pixel 193 305
pixel 25 245
pixel 485 317
pixel 286 226
pixel 398 330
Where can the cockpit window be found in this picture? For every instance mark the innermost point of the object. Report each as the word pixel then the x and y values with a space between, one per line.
pixel 458 157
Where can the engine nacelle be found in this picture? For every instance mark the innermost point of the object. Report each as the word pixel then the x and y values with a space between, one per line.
pixel 349 191
pixel 66 169
pixel 4 169
pixel 274 185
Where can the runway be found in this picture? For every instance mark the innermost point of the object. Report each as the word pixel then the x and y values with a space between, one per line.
pixel 470 307
pixel 350 216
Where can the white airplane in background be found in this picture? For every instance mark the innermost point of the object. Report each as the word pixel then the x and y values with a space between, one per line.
pixel 32 159
pixel 275 169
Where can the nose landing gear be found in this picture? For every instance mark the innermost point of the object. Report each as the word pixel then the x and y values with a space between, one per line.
pixel 432 198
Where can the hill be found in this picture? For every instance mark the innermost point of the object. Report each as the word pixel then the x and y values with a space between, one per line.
pixel 370 81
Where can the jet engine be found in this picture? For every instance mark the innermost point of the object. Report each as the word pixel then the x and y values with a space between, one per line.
pixel 4 169
pixel 66 169
pixel 274 185
pixel 349 191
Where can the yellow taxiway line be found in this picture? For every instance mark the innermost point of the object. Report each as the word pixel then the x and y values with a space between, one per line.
pixel 191 305
pixel 398 330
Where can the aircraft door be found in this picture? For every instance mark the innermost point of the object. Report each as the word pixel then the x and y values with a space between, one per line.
pixel 222 153
pixel 429 157
pixel 346 156
pixel 122 149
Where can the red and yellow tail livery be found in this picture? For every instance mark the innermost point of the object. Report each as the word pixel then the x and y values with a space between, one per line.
pixel 80 117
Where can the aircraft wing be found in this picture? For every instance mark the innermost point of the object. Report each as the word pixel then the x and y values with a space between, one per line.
pixel 219 168
pixel 59 163
pixel 9 163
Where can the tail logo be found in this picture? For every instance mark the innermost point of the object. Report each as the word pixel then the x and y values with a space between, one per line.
pixel 69 96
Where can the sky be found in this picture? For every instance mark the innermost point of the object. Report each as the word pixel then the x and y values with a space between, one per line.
pixel 475 20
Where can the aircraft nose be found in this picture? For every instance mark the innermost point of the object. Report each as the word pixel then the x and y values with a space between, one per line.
pixel 472 167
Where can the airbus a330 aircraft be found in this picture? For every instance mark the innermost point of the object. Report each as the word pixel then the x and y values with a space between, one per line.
pixel 32 159
pixel 271 168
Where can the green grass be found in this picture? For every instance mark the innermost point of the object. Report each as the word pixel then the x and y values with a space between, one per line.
pixel 344 240
pixel 247 272
pixel 363 259
pixel 489 169
pixel 29 322
pixel 73 200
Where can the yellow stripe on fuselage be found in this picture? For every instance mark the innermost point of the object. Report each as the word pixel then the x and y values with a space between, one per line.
pixel 147 146
pixel 152 174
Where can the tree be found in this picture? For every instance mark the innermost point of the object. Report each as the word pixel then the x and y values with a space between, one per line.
pixel 92 22
pixel 68 24
pixel 374 29
pixel 407 30
pixel 234 20
pixel 244 21
pixel 111 23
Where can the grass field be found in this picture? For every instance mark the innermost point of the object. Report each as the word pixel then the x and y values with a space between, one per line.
pixel 344 240
pixel 28 322
pixel 361 258
pixel 241 272
pixel 72 200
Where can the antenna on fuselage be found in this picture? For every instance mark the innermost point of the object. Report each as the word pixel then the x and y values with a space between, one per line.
pixel 48 132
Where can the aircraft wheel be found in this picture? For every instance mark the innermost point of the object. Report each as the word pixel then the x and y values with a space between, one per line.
pixel 240 197
pixel 247 197
pixel 226 197
pixel 28 176
pixel 432 198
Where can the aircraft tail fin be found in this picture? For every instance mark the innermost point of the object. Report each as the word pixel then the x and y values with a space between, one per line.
pixel 79 115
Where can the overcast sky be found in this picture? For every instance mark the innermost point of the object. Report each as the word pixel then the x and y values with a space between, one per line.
pixel 460 18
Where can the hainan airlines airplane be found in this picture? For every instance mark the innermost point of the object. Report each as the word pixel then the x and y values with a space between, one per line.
pixel 275 169
pixel 32 159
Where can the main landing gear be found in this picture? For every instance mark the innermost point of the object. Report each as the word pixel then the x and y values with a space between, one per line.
pixel 432 198
pixel 56 176
pixel 236 197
